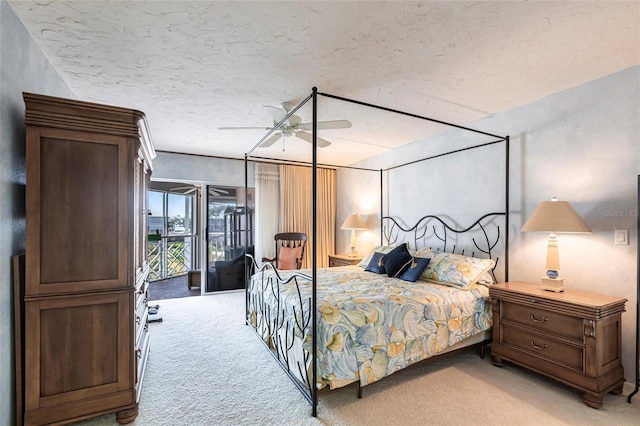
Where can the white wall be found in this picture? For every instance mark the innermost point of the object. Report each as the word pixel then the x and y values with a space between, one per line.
pixel 580 145
pixel 24 69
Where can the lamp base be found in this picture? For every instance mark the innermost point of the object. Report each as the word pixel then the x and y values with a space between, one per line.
pixel 552 284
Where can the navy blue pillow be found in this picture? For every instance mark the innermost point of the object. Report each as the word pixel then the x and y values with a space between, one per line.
pixel 375 264
pixel 397 260
pixel 416 269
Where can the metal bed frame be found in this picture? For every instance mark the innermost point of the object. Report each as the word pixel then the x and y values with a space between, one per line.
pixel 310 390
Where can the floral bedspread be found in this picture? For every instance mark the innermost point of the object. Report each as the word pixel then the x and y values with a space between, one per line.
pixel 370 325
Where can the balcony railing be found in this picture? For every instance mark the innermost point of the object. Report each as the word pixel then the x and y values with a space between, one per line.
pixel 216 250
pixel 170 256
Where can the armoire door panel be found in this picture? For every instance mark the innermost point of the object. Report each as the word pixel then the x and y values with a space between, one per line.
pixel 79 200
pixel 82 204
pixel 83 344
pixel 79 343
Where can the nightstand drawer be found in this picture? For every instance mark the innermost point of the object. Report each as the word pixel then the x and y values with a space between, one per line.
pixel 343 260
pixel 337 262
pixel 542 319
pixel 543 347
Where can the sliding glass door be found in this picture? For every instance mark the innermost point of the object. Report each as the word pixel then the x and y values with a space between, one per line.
pixel 172 234
pixel 226 238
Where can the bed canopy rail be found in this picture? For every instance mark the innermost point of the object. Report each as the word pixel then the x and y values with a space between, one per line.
pixel 313 97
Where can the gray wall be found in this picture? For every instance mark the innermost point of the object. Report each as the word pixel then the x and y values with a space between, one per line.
pixel 195 168
pixel 24 68
pixel 580 145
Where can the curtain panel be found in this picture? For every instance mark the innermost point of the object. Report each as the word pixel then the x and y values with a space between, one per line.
pixel 267 218
pixel 297 209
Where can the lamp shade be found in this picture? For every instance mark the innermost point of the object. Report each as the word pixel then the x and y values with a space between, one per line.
pixel 353 221
pixel 556 217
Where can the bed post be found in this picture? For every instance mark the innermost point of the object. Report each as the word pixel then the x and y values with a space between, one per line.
pixel 506 211
pixel 314 189
pixel 246 238
pixel 381 209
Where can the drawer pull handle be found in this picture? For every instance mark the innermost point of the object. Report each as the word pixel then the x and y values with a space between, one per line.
pixel 534 319
pixel 545 346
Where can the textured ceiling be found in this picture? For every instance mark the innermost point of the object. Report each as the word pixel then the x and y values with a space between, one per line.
pixel 195 66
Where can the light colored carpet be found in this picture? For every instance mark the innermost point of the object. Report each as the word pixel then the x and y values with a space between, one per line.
pixel 206 367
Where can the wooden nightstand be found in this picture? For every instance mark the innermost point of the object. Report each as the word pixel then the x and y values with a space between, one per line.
pixel 573 337
pixel 343 260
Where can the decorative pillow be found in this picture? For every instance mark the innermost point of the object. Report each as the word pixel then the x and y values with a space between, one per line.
pixel 397 260
pixel 288 257
pixel 377 249
pixel 418 265
pixel 375 264
pixel 458 270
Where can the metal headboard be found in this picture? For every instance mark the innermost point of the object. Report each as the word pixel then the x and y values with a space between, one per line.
pixel 477 240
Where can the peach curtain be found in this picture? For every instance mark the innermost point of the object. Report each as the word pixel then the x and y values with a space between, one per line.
pixel 296 207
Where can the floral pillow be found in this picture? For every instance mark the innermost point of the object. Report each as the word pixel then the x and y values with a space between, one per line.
pixel 487 279
pixel 457 270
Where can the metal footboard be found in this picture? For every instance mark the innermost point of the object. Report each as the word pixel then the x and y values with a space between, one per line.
pixel 269 322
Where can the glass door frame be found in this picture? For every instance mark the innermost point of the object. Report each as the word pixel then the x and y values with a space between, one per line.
pixel 191 239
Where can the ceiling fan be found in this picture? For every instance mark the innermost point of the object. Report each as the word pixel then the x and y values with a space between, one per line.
pixel 186 190
pixel 293 126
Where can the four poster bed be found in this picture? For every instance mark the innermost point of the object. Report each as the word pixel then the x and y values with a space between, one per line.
pixel 422 292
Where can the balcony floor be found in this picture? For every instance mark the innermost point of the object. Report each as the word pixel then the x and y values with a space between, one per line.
pixel 171 288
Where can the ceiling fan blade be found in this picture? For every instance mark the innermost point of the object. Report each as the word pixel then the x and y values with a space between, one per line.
pixel 333 124
pixel 294 120
pixel 244 128
pixel 322 143
pixel 184 189
pixel 216 192
pixel 271 140
pixel 277 113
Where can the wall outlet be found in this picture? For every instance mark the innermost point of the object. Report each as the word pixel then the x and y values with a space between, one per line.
pixel 622 237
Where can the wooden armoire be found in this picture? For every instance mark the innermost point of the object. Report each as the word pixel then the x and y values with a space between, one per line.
pixel 86 296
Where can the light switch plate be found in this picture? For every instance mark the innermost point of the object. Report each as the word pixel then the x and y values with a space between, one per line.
pixel 622 237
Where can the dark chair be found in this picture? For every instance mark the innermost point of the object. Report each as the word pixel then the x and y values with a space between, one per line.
pixel 227 274
pixel 289 250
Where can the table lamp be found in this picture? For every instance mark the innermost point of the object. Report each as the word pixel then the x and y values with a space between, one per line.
pixel 355 223
pixel 554 217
